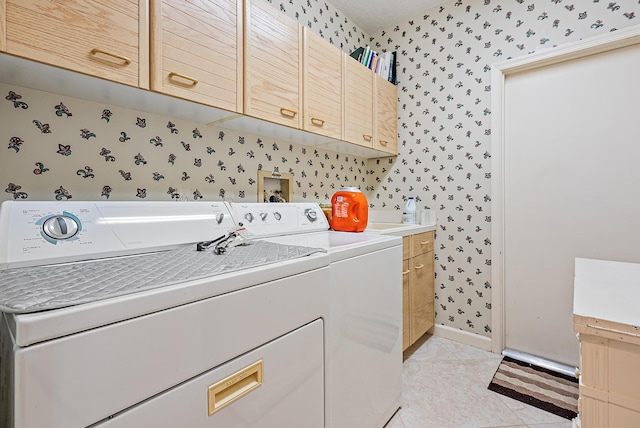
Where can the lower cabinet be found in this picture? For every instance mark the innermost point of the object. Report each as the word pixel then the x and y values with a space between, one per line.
pixel 417 287
pixel 609 380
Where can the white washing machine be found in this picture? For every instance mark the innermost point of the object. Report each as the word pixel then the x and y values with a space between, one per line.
pixel 110 317
pixel 364 343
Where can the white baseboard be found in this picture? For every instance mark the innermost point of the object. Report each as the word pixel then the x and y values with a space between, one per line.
pixel 471 339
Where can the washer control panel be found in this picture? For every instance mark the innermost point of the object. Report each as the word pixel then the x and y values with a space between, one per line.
pixel 273 219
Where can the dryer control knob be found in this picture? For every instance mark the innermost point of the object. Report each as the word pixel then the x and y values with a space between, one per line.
pixel 311 214
pixel 60 227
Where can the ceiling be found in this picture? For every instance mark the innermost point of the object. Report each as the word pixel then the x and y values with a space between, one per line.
pixel 375 15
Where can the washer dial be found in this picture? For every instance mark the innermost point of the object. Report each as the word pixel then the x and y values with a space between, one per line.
pixel 60 227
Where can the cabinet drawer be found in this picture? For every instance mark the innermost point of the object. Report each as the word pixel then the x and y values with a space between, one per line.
pixel 421 243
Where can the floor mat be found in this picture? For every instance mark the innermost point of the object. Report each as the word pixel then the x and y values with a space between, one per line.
pixel 547 390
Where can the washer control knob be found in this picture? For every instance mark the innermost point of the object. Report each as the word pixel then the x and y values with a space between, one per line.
pixel 60 227
pixel 219 217
pixel 248 217
pixel 311 214
pixel 263 216
pixel 277 215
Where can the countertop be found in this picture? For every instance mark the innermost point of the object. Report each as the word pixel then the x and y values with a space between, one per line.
pixel 398 229
pixel 608 291
pixel 388 222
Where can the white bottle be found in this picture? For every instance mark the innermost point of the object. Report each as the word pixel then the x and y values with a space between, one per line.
pixel 409 213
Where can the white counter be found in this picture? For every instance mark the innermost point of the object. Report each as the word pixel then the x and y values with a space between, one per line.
pixel 606 316
pixel 399 229
pixel 608 291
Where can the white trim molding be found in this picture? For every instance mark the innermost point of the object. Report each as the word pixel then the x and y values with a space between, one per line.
pixel 594 45
pixel 461 336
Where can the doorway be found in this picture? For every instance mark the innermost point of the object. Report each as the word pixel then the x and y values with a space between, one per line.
pixel 565 152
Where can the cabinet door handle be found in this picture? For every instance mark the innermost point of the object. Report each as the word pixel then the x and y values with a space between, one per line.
pixel 316 121
pixel 383 143
pixel 406 272
pixel 96 52
pixel 287 112
pixel 419 267
pixel 367 137
pixel 190 81
pixel 424 242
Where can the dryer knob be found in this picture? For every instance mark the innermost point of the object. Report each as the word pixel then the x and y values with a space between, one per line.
pixel 263 216
pixel 60 227
pixel 277 215
pixel 248 217
pixel 219 217
pixel 311 214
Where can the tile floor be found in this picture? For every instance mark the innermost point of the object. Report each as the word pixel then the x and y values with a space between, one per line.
pixel 445 386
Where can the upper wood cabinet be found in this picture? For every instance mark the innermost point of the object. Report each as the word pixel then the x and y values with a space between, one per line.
pixel 3 31
pixel 104 39
pixel 272 72
pixel 242 56
pixel 358 103
pixel 196 51
pixel 386 107
pixel 322 86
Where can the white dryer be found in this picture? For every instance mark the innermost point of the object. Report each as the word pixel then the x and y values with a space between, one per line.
pixel 145 331
pixel 364 342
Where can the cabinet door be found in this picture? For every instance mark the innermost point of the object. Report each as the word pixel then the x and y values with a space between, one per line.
pixel 421 294
pixel 406 306
pixel 358 103
pixel 103 39
pixel 196 51
pixel 386 105
pixel 3 22
pixel 272 77
pixel 322 86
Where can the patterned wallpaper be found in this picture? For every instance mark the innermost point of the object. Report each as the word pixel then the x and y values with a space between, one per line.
pixel 58 147
pixel 444 62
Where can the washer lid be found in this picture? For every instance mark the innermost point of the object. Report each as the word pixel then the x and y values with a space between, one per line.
pixel 341 245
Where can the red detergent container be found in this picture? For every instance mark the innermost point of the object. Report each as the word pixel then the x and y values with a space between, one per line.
pixel 350 210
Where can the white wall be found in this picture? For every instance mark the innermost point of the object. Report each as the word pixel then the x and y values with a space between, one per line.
pixel 571 175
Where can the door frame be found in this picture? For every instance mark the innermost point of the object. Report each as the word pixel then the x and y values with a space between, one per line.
pixel 499 72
